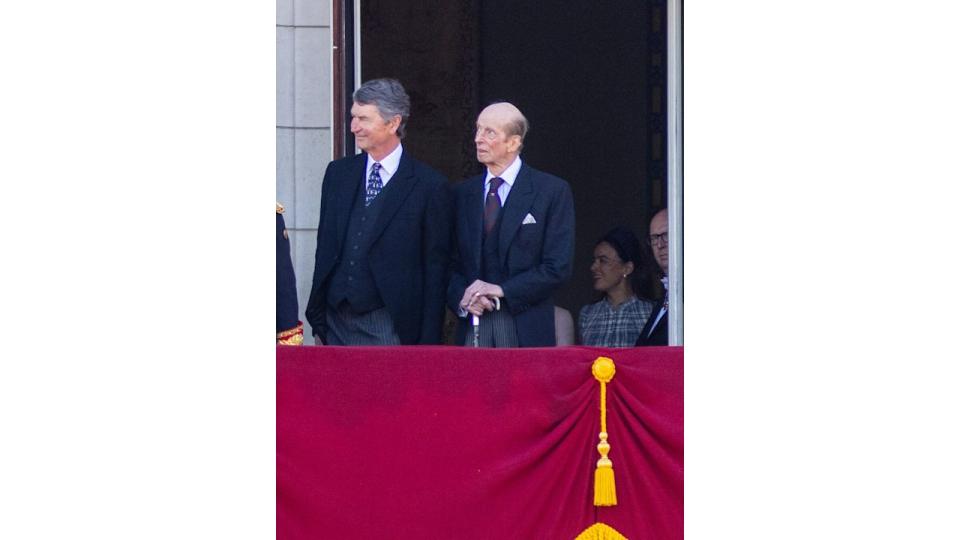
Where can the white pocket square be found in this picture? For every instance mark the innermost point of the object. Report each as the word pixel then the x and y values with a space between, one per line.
pixel 528 220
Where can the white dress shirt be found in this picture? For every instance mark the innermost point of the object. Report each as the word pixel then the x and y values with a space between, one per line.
pixel 388 165
pixel 509 176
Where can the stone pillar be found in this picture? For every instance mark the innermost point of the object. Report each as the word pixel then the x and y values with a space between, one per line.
pixel 304 139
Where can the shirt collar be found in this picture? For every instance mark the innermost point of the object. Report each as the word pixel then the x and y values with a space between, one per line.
pixel 509 174
pixel 389 164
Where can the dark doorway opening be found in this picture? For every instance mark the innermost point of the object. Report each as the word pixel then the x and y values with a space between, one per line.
pixel 589 76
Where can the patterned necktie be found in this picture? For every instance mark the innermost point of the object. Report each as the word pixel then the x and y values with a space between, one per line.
pixel 666 292
pixel 491 208
pixel 374 185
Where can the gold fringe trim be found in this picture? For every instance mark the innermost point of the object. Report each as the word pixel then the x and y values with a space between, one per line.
pixel 293 336
pixel 298 329
pixel 600 531
pixel 604 486
pixel 292 340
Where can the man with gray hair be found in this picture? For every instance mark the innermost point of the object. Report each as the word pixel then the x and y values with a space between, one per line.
pixel 514 240
pixel 384 234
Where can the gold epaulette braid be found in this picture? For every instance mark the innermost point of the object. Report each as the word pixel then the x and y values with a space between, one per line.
pixel 293 336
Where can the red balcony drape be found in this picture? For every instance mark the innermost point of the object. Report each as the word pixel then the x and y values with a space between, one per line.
pixel 452 442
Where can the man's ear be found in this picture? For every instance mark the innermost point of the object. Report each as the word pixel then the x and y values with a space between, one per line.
pixel 628 268
pixel 394 123
pixel 513 143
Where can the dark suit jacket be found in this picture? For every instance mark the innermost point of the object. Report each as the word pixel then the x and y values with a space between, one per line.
pixel 536 257
pixel 660 334
pixel 287 316
pixel 409 252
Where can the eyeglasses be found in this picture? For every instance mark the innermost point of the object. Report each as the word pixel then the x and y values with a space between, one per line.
pixel 656 239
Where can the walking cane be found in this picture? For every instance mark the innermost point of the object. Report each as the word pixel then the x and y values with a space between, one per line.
pixel 475 323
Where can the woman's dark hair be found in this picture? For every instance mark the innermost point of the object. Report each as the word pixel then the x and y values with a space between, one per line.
pixel 644 279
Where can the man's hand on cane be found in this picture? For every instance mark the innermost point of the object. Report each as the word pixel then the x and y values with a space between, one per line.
pixel 481 296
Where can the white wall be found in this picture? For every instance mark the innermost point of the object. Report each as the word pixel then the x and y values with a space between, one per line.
pixel 304 142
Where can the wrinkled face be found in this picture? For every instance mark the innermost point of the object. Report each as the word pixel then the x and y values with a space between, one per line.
pixel 659 243
pixel 608 269
pixel 495 148
pixel 374 134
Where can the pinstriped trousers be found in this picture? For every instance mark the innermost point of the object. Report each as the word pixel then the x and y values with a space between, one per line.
pixel 497 329
pixel 373 328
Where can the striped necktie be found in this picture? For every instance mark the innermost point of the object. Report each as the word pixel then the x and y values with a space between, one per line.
pixel 491 207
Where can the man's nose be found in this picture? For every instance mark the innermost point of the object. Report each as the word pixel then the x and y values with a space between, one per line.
pixel 354 126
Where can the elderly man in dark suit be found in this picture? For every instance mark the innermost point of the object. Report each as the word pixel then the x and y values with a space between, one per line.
pixel 383 240
pixel 514 239
pixel 655 332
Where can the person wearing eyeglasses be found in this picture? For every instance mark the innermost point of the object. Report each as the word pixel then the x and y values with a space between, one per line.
pixel 619 267
pixel 655 331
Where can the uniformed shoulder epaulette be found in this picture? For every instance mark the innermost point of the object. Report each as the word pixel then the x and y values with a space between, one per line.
pixel 293 336
pixel 279 208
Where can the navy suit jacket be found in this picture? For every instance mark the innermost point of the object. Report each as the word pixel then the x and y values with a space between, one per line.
pixel 536 257
pixel 287 309
pixel 410 244
pixel 660 333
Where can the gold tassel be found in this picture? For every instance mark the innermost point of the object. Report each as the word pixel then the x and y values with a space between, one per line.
pixel 604 486
pixel 600 531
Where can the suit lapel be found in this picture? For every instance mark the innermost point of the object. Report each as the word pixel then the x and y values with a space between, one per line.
pixel 518 205
pixel 401 185
pixel 356 178
pixel 652 322
pixel 472 218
